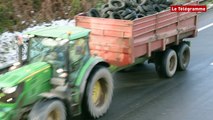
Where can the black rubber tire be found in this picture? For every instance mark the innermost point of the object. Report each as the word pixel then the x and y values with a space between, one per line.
pixel 106 15
pixel 127 11
pixel 104 6
pixel 115 15
pixel 100 107
pixel 150 2
pixel 157 8
pixel 127 2
pixel 140 15
pixel 183 53
pixel 147 8
pixel 43 109
pixel 105 11
pixel 116 4
pixel 121 12
pixel 162 1
pixel 155 1
pixel 169 3
pixel 167 64
pixel 163 6
pixel 141 9
pixel 93 12
pixel 131 16
pixel 143 2
pixel 151 12
pixel 136 2
pixel 136 10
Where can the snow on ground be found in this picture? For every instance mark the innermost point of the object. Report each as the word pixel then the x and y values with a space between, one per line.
pixel 8 47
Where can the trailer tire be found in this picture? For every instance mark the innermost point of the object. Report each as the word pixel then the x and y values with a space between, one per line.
pixel 44 110
pixel 183 53
pixel 99 92
pixel 167 64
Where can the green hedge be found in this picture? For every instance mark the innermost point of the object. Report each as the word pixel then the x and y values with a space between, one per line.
pixel 6 15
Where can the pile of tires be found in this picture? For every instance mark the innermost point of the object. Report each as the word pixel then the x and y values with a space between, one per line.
pixel 129 9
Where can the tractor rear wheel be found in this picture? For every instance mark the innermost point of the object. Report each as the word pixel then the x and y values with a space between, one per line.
pixel 98 94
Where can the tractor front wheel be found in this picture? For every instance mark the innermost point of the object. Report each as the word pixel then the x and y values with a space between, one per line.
pixel 48 110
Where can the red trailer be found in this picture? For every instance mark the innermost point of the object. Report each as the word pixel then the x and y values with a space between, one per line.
pixel 159 37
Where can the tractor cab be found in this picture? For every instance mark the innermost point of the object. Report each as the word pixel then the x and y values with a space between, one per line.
pixel 62 47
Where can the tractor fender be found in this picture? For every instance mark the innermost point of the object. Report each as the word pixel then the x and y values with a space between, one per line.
pixel 96 62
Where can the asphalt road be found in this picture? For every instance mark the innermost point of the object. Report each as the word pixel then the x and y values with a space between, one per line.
pixel 141 95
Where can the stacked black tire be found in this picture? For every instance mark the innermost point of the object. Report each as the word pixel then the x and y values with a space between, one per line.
pixel 129 9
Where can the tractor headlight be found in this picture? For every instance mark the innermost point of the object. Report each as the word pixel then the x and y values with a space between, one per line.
pixel 9 90
pixel 10 94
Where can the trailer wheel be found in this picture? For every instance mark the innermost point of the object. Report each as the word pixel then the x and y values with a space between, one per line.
pixel 98 94
pixel 167 65
pixel 48 110
pixel 183 53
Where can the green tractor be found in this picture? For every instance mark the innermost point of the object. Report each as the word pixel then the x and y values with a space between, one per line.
pixel 57 80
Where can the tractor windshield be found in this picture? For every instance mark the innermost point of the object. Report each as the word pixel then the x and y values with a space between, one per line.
pixel 47 50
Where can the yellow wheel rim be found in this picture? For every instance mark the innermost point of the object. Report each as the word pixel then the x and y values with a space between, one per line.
pixel 54 115
pixel 97 91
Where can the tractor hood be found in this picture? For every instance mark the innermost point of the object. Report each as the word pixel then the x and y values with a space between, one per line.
pixel 19 75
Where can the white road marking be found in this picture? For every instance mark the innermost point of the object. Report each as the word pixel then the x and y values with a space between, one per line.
pixel 205 27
